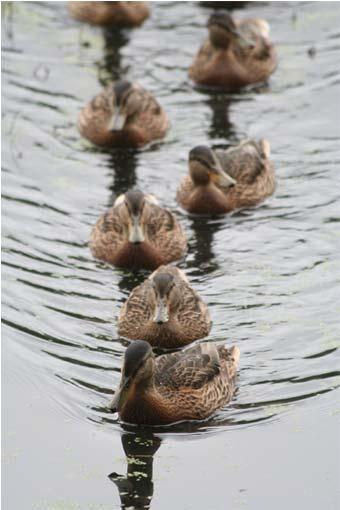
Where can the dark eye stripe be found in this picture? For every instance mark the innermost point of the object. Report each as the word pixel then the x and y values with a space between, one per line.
pixel 202 161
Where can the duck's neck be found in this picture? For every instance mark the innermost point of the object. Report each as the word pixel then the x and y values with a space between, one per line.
pixel 218 38
pixel 167 333
pixel 208 199
pixel 138 255
pixel 142 404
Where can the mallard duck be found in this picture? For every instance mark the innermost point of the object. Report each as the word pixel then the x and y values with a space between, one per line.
pixel 187 385
pixel 235 55
pixel 223 180
pixel 123 114
pixel 121 14
pixel 165 311
pixel 137 233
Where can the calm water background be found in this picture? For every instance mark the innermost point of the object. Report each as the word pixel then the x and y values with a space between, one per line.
pixel 270 275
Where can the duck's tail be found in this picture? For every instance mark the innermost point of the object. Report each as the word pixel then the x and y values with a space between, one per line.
pixel 265 148
pixel 235 355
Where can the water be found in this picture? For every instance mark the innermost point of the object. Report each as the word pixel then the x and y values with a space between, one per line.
pixel 270 275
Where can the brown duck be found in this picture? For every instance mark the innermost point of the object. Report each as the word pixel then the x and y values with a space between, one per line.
pixel 123 114
pixel 187 385
pixel 120 14
pixel 137 233
pixel 165 311
pixel 220 181
pixel 235 55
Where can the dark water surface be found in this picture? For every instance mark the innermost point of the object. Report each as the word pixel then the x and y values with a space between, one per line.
pixel 270 275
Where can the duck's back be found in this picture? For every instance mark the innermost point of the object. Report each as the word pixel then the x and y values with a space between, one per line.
pixel 107 235
pixel 244 163
pixel 150 119
pixel 261 60
pixel 166 234
pixel 197 381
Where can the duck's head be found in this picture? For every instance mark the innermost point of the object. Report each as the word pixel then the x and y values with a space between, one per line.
pixel 133 204
pixel 138 369
pixel 125 103
pixel 205 169
pixel 223 31
pixel 135 209
pixel 167 296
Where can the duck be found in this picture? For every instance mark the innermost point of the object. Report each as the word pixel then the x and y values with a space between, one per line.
pixel 235 55
pixel 190 384
pixel 137 233
pixel 124 114
pixel 106 14
pixel 221 181
pixel 165 311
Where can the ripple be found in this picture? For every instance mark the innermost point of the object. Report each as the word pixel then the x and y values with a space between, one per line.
pixel 267 274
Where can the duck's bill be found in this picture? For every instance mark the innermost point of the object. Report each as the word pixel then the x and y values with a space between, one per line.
pixel 118 120
pixel 119 395
pixel 136 234
pixel 224 179
pixel 113 406
pixel 161 313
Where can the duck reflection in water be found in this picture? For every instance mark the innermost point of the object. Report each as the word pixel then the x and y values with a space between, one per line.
pixel 110 67
pixel 221 127
pixel 223 5
pixel 203 259
pixel 123 163
pixel 136 487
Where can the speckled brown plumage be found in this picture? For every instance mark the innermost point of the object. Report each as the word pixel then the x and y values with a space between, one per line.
pixel 236 65
pixel 187 385
pixel 164 240
pixel 247 163
pixel 121 14
pixel 188 318
pixel 145 121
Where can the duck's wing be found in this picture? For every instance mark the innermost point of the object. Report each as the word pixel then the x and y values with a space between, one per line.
pixel 166 233
pixel 191 368
pixel 111 221
pixel 159 221
pixel 192 311
pixel 103 102
pixel 94 119
pixel 136 310
pixel 246 161
pixel 184 191
pixel 257 31
pixel 146 102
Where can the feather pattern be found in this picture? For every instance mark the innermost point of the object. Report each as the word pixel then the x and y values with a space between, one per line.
pixel 164 238
pixel 236 66
pixel 147 122
pixel 187 385
pixel 188 319
pixel 249 165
